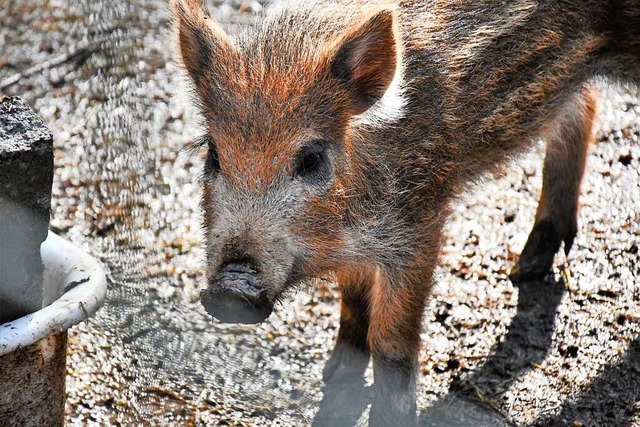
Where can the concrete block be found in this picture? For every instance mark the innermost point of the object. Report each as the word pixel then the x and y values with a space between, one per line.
pixel 32 384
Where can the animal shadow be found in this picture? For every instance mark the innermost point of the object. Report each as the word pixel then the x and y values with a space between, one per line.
pixel 527 342
pixel 613 399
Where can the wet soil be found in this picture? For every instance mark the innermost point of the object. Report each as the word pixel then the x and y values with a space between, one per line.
pixel 565 351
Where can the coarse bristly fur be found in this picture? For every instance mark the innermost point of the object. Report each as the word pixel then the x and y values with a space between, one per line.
pixel 339 132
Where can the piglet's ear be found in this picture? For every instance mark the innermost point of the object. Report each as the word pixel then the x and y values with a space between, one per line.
pixel 367 57
pixel 202 43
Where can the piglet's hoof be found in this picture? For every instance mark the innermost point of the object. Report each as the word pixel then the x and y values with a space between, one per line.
pixel 536 260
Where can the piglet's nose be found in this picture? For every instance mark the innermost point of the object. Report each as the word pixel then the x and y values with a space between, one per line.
pixel 236 295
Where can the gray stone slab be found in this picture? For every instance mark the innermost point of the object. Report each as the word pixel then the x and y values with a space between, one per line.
pixel 26 176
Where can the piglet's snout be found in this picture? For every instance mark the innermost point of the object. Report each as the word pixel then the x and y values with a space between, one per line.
pixel 236 295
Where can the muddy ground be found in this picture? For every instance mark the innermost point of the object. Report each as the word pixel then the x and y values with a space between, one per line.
pixel 561 352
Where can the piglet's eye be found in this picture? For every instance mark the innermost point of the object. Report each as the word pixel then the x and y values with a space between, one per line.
pixel 213 162
pixel 312 163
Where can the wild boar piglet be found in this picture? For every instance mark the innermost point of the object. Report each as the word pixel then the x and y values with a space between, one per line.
pixel 339 133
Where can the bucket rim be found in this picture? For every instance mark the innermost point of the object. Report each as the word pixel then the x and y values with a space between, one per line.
pixel 79 275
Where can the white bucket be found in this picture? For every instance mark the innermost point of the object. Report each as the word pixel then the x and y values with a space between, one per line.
pixel 33 347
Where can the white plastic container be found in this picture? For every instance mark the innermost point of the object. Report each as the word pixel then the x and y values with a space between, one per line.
pixel 33 347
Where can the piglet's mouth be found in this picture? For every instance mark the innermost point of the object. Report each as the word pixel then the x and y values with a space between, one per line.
pixel 236 295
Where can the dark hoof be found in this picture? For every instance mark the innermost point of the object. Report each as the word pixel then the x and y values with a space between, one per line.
pixel 347 364
pixel 536 259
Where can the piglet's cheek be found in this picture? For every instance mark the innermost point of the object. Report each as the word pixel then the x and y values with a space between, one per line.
pixel 320 230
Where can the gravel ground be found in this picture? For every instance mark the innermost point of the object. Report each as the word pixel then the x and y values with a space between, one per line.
pixel 561 352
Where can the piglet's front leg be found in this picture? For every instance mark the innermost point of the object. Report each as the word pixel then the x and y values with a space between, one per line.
pixel 394 342
pixel 351 356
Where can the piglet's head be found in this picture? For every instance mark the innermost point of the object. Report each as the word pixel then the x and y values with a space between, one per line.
pixel 282 162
